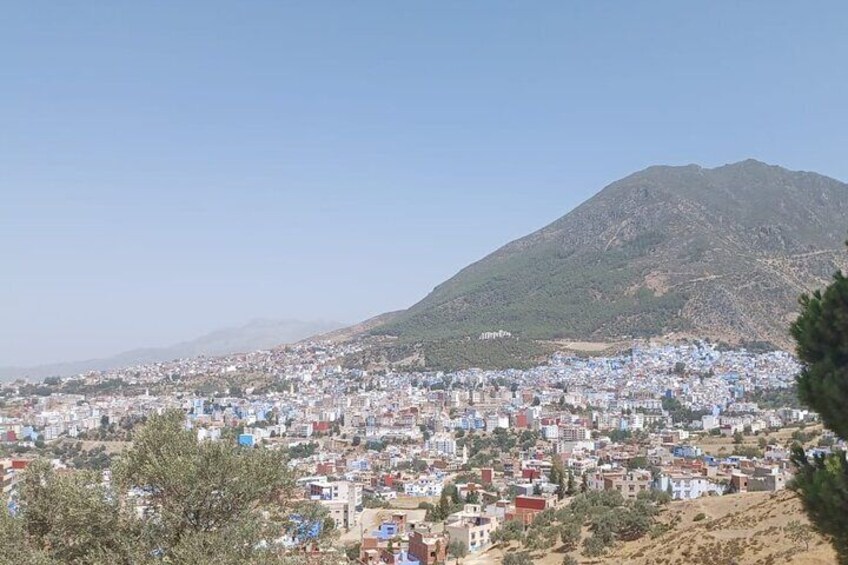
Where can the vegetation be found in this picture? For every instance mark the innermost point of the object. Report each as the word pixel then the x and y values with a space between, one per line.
pixel 821 334
pixel 302 450
pixel 449 502
pixel 774 398
pixel 457 549
pixel 607 515
pixel 191 502
pixel 518 558
pixel 799 533
pixel 459 353
pixel 679 413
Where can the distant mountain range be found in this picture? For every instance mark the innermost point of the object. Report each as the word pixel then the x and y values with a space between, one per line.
pixel 256 335
pixel 720 253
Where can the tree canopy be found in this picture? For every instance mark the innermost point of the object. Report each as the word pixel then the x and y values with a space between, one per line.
pixel 821 335
pixel 171 499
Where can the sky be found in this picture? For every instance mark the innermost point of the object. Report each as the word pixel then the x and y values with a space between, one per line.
pixel 170 168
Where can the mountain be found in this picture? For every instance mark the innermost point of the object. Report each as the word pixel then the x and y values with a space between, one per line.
pixel 719 253
pixel 258 334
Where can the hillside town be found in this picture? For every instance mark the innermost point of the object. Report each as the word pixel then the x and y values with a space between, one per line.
pixel 406 464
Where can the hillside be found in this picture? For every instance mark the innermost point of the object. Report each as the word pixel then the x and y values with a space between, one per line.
pixel 746 529
pixel 721 253
pixel 257 334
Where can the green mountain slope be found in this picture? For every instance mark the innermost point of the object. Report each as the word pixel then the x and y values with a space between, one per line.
pixel 720 253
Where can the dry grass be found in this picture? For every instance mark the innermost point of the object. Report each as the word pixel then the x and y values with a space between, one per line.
pixel 723 446
pixel 744 529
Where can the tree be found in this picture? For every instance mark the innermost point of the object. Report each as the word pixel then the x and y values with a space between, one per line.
pixel 557 478
pixel 443 509
pixel 541 538
pixel 738 438
pixel 453 493
pixel 517 558
pixel 634 523
pixel 457 549
pixel 570 488
pixel 512 530
pixel 71 518
pixel 14 546
pixel 594 546
pixel 204 502
pixel 799 533
pixel 570 534
pixel 640 462
pixel 821 336
pixel 584 485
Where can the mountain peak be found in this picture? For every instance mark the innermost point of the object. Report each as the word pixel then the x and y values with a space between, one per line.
pixel 722 252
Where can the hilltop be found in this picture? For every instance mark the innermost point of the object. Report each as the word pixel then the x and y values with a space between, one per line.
pixel 720 253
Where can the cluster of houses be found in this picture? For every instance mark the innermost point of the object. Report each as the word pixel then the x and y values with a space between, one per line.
pixel 361 439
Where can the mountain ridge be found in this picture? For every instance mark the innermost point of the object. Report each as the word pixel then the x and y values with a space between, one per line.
pixel 257 334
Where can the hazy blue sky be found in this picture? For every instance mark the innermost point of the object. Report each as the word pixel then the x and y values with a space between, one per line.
pixel 168 168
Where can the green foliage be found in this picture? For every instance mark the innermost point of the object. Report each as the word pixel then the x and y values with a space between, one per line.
pixel 518 558
pixel 542 295
pixel 302 450
pixel 457 549
pixel 821 335
pixel 679 413
pixel 570 534
pixel 748 451
pixel 14 546
pixel 607 514
pixel 656 497
pixel 774 398
pixel 799 533
pixel 449 354
pixel 73 518
pixel 511 530
pixel 640 462
pixel 449 502
pixel 541 537
pixel 619 436
pixel 699 516
pixel 557 478
pixel 198 502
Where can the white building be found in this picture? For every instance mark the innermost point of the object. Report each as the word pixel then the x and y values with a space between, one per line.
pixel 685 486
pixel 443 444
